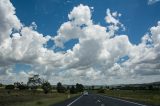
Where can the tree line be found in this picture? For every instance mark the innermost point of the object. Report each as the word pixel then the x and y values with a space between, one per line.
pixel 36 82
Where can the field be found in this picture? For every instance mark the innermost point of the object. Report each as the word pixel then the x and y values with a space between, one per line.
pixel 30 98
pixel 146 96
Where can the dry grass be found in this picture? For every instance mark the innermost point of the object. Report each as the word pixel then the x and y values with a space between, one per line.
pixel 30 98
pixel 146 96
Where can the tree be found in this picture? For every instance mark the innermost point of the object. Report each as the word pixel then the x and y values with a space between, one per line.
pixel 107 87
pixel 79 87
pixel 73 90
pixel 92 87
pixel 68 88
pixel 20 86
pixel 150 87
pixel 60 88
pixel 46 86
pixel 1 84
pixel 9 87
pixel 101 90
pixel 34 82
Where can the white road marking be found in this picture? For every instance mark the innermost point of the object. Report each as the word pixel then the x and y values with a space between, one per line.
pixel 123 100
pixel 74 101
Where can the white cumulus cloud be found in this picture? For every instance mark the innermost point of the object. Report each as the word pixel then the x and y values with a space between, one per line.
pixel 93 60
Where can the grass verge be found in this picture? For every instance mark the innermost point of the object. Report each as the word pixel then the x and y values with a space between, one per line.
pixel 30 98
pixel 143 96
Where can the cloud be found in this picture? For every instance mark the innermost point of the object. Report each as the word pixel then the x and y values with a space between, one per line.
pixel 150 2
pixel 93 60
pixel 115 24
pixel 110 18
pixel 80 15
pixel 8 20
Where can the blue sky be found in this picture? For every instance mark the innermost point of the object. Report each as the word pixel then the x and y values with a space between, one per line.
pixel 70 46
pixel 137 15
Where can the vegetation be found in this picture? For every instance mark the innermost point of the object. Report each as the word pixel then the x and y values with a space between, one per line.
pixel 34 82
pixel 45 94
pixel 36 92
pixel 28 98
pixel 60 88
pixel 73 90
pixel 101 90
pixel 9 87
pixel 146 96
pixel 79 87
pixel 46 86
pixel 1 85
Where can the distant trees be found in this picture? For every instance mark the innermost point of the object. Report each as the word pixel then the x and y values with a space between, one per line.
pixel 101 90
pixel 60 88
pixel 68 88
pixel 92 87
pixel 79 87
pixel 46 86
pixel 1 84
pixel 34 82
pixel 150 87
pixel 9 87
pixel 73 90
pixel 107 87
pixel 20 86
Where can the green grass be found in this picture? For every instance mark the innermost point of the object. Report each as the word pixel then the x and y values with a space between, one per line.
pixel 146 96
pixel 30 98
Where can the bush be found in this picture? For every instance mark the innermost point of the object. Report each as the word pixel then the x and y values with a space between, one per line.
pixel 73 90
pixel 9 87
pixel 46 87
pixel 79 87
pixel 22 87
pixel 39 102
pixel 34 88
pixel 1 85
pixel 101 91
pixel 60 88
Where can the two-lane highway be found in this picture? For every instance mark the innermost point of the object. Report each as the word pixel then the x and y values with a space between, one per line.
pixel 97 100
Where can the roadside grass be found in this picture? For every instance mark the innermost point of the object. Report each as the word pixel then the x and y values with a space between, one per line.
pixel 146 96
pixel 30 98
pixel 45 101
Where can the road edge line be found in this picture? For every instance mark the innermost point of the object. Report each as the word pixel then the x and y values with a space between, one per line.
pixel 123 100
pixel 74 101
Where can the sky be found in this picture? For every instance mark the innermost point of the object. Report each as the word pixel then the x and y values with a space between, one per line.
pixel 80 41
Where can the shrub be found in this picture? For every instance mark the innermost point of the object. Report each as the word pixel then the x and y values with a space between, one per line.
pixel 101 91
pixel 46 87
pixel 79 87
pixel 39 102
pixel 1 85
pixel 9 87
pixel 73 90
pixel 60 88
pixel 22 87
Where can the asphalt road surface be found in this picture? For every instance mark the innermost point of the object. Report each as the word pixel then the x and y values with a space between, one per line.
pixel 97 100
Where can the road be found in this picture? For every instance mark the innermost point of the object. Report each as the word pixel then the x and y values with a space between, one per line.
pixel 97 100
